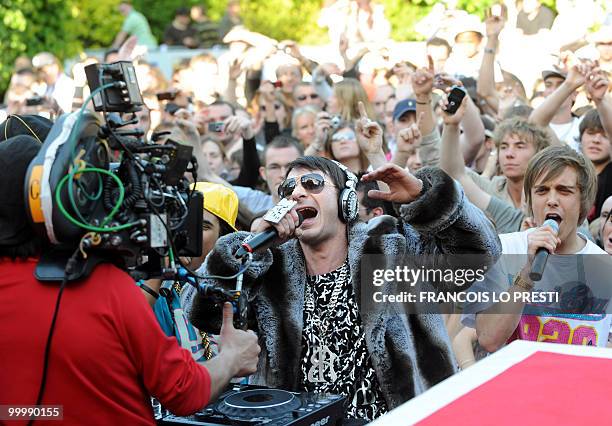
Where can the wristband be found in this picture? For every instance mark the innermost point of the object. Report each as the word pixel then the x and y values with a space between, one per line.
pixel 489 50
pixel 149 290
pixel 522 283
pixel 424 103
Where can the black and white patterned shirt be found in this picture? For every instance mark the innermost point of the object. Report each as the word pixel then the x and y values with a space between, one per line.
pixel 334 357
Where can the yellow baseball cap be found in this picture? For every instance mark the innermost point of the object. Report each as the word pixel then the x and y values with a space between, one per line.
pixel 220 201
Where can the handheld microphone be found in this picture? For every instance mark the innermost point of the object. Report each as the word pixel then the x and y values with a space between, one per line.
pixel 539 262
pixel 262 240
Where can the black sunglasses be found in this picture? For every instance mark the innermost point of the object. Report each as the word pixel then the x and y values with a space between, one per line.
pixel 276 107
pixel 311 182
pixel 303 97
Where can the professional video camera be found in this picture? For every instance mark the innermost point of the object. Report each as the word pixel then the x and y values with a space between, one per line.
pixel 109 192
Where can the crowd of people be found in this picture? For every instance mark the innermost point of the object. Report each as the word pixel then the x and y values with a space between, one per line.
pixel 376 164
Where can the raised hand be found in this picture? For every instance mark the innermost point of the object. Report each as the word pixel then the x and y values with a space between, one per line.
pixel 577 74
pixel 235 69
pixel 453 119
pixel 286 228
pixel 291 47
pixel 443 81
pixel 410 137
pixel 597 84
pixel 240 124
pixel 322 127
pixel 185 121
pixel 126 51
pixel 494 26
pixel 369 133
pixel 403 72
pixel 404 76
pixel 403 186
pixel 422 81
pixel 183 114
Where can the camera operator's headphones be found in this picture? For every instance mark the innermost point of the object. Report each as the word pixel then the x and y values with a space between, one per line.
pixel 348 203
pixel 52 163
pixel 31 125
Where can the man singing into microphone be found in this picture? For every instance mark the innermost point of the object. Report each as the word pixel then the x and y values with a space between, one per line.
pixel 560 185
pixel 304 294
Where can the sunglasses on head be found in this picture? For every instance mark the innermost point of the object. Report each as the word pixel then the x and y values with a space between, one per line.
pixel 304 97
pixel 311 182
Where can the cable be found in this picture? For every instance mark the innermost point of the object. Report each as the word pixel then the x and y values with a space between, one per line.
pixel 182 219
pixel 82 113
pixel 89 227
pixel 71 194
pixel 67 271
pixel 105 112
pixel 80 183
pixel 161 191
pixel 72 144
pixel 6 126
pixel 172 250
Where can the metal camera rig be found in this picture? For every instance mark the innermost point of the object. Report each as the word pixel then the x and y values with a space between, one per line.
pixel 105 189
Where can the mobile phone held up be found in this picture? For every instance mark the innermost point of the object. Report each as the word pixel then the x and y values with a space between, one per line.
pixel 455 97
pixel 215 126
pixel 171 108
pixel 166 96
pixel 35 101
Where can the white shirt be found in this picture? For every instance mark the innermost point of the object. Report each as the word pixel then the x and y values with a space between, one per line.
pixel 62 91
pixel 569 133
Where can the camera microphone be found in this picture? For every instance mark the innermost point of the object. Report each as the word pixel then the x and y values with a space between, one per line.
pixel 539 262
pixel 262 240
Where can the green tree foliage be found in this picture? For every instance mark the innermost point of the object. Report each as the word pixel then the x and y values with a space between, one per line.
pixel 100 22
pixel 404 14
pixel 31 26
pixel 64 27
pixel 297 19
pixel 160 13
pixel 285 19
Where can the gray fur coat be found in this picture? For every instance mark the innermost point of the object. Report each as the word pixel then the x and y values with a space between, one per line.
pixel 410 353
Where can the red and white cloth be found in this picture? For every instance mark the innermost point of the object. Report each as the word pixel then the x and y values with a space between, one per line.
pixel 525 383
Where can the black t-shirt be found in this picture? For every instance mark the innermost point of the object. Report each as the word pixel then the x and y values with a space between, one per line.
pixel 208 32
pixel 174 36
pixel 335 357
pixel 543 19
pixel 604 188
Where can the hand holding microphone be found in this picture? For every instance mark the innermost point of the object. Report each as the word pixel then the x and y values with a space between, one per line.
pixel 270 232
pixel 542 242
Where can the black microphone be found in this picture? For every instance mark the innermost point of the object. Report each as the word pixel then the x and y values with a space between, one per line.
pixel 539 262
pixel 262 240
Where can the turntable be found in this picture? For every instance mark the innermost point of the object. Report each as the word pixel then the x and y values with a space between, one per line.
pixel 256 405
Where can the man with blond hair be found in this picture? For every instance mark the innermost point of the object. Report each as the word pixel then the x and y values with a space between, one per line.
pixel 560 185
